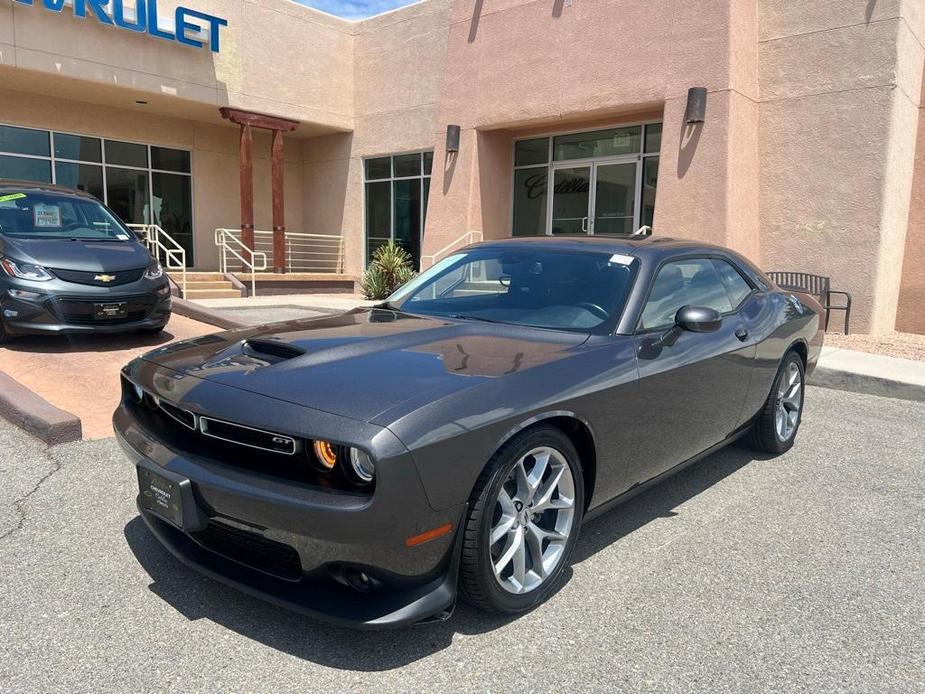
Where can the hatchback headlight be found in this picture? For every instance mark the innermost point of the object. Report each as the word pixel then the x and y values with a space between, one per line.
pixel 25 271
pixel 154 272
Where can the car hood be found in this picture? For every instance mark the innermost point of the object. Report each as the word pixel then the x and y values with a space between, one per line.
pixel 87 256
pixel 364 362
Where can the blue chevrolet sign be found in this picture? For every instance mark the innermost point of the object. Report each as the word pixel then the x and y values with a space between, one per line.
pixel 191 27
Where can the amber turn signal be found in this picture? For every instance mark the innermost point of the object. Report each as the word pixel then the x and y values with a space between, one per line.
pixel 326 454
pixel 429 535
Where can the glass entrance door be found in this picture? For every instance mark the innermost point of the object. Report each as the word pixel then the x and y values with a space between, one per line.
pixel 571 197
pixel 596 198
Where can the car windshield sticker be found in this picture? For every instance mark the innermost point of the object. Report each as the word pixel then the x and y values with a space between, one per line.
pixel 47 216
pixel 12 196
pixel 619 259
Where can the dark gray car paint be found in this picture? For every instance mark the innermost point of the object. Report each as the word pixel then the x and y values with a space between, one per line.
pixel 35 315
pixel 440 396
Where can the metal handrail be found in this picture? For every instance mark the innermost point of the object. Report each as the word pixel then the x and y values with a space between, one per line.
pixel 321 253
pixel 226 240
pixel 464 240
pixel 165 249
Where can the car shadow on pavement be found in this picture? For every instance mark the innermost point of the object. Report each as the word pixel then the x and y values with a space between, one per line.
pixel 68 344
pixel 198 597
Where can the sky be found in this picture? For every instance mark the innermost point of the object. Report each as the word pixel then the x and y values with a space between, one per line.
pixel 355 9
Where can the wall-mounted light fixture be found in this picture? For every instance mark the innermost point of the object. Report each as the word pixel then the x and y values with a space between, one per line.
pixel 696 105
pixel 452 138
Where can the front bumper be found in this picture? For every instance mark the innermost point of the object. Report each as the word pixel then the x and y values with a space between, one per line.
pixel 64 308
pixel 326 532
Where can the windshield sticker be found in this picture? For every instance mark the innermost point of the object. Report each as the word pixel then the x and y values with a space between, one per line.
pixel 46 216
pixel 12 196
pixel 620 259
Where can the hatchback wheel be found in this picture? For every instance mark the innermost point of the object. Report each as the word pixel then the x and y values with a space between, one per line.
pixel 775 429
pixel 524 518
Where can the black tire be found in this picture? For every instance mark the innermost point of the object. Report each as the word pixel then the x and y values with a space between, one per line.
pixel 477 580
pixel 4 335
pixel 764 435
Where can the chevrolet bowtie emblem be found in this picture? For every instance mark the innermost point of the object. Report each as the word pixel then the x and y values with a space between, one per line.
pixel 104 278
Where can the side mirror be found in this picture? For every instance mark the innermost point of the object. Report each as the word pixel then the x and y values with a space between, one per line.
pixel 698 319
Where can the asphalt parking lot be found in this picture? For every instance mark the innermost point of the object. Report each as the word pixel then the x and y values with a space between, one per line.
pixel 742 574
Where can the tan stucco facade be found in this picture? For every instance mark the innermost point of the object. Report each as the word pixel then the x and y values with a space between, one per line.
pixel 807 159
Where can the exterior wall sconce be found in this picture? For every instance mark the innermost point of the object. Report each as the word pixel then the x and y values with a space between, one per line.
pixel 696 105
pixel 452 138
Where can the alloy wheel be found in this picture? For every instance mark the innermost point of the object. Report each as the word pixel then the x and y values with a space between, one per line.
pixel 532 520
pixel 789 402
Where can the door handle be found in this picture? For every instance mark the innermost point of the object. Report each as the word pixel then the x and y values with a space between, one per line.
pixel 742 334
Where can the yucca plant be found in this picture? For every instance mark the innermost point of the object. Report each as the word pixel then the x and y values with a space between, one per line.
pixel 389 269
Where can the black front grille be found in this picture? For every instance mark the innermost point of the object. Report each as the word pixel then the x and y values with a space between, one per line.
pixel 81 311
pixel 248 436
pixel 185 417
pixel 251 549
pixel 101 278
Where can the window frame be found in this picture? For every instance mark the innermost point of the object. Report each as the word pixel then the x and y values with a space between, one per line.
pixel 639 330
pixel 150 171
pixel 550 163
pixel 391 180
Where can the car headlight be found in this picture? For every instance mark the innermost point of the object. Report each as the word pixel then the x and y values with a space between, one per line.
pixel 25 271
pixel 362 466
pixel 155 271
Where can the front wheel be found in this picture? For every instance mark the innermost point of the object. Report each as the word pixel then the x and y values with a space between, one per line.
pixel 524 518
pixel 776 426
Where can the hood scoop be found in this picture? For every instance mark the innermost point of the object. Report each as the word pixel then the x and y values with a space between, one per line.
pixel 271 350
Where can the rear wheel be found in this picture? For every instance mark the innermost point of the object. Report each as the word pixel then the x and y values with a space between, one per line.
pixel 776 426
pixel 524 518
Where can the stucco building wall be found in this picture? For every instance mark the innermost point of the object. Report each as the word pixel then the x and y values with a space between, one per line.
pixel 806 159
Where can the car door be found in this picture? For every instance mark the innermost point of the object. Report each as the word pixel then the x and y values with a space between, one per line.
pixel 691 392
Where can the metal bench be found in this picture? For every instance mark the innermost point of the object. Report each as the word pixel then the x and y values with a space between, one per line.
pixel 817 286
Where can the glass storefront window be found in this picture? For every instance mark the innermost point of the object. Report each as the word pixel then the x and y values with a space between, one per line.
pixel 529 152
pixel 20 168
pixel 24 141
pixel 127 194
pixel 397 191
pixel 378 216
pixel 167 159
pixel 599 182
pixel 85 177
pixel 161 193
pixel 649 183
pixel 653 138
pixel 126 154
pixel 78 148
pixel 378 168
pixel 406 165
pixel 601 143
pixel 530 201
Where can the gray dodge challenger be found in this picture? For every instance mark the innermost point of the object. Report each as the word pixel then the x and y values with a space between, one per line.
pixel 369 467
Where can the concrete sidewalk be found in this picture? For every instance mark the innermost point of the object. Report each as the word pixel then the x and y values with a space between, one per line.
pixel 860 372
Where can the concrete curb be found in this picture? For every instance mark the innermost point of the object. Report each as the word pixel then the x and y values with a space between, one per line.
pixel 189 309
pixel 36 415
pixel 866 384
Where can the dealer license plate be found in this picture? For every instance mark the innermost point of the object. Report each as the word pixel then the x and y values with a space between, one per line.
pixel 110 311
pixel 161 496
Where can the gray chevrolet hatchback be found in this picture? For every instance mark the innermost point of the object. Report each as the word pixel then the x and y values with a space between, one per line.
pixel 69 265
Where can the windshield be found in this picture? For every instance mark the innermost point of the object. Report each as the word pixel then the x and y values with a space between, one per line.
pixel 49 215
pixel 556 289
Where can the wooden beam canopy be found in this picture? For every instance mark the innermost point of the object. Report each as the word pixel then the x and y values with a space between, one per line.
pixel 248 120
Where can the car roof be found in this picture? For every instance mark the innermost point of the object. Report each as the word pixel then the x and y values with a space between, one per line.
pixel 11 184
pixel 649 247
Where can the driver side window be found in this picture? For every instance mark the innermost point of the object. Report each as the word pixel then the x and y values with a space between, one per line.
pixel 693 281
